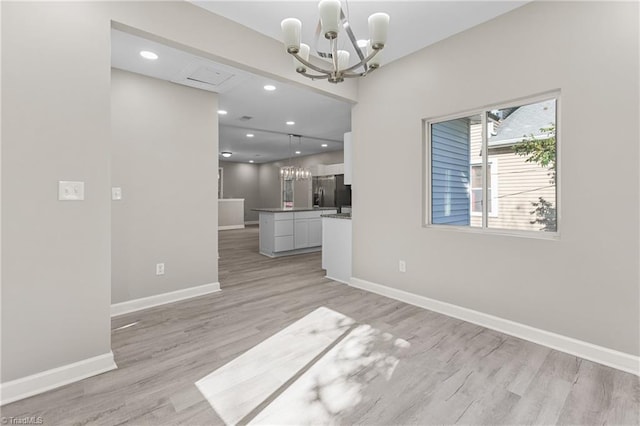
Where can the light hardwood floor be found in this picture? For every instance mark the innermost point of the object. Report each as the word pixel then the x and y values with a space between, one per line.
pixel 451 372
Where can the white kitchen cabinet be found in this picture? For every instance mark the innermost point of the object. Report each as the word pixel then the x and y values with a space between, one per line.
pixel 336 248
pixel 301 234
pixel 308 232
pixel 283 228
pixel 315 232
pixel 327 169
pixel 286 232
pixel 283 243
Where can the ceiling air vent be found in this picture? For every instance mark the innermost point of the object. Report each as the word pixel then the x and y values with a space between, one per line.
pixel 210 76
pixel 207 75
pixel 245 118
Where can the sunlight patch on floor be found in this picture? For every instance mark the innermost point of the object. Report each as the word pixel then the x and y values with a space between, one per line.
pixel 334 358
pixel 239 386
pixel 338 382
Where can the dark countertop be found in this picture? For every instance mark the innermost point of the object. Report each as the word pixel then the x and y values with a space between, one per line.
pixel 294 209
pixel 337 216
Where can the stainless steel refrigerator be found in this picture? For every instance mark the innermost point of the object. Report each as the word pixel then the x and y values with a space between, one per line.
pixel 330 191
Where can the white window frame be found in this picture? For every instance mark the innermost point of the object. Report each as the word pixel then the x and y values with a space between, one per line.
pixel 493 162
pixel 427 222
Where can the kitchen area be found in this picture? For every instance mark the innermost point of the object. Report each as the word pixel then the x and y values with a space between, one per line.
pixel 325 225
pixel 291 229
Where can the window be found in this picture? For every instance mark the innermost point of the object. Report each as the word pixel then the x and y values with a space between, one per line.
pixel 476 188
pixel 466 188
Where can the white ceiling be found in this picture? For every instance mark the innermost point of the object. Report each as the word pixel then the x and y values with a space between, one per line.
pixel 413 24
pixel 319 119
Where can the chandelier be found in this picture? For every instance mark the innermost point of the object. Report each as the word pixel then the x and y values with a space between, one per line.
pixel 331 19
pixel 292 172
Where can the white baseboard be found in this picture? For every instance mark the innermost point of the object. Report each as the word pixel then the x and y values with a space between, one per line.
pixel 609 357
pixel 252 222
pixel 227 227
pixel 25 387
pixel 161 299
pixel 337 280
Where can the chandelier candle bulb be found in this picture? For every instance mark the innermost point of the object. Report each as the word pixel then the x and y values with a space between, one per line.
pixel 376 61
pixel 304 54
pixel 291 28
pixel 330 17
pixel 378 28
pixel 343 59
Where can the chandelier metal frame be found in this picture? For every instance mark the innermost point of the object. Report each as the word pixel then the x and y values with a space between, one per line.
pixel 291 172
pixel 378 23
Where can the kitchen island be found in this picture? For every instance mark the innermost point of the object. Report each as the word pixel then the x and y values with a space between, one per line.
pixel 285 232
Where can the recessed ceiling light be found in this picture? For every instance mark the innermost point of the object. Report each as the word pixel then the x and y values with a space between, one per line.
pixel 250 135
pixel 251 161
pixel 290 123
pixel 297 152
pixel 148 55
pixel 324 145
pixel 226 154
pixel 363 43
pixel 269 87
pixel 222 112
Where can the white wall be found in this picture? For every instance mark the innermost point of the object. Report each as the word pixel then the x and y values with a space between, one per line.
pixel 164 156
pixel 584 285
pixel 56 126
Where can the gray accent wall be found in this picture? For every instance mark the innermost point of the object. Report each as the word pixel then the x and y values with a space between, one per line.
pixel 240 180
pixel 583 285
pixel 164 156
pixel 269 184
pixel 270 179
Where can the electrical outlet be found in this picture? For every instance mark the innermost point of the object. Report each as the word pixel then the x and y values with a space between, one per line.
pixel 70 191
pixel 402 266
pixel 116 193
pixel 159 268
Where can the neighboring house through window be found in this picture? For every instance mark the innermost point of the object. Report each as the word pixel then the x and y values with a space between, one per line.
pixel 476 188
pixel 465 186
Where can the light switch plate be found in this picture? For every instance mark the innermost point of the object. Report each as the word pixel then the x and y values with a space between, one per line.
pixel 116 193
pixel 70 191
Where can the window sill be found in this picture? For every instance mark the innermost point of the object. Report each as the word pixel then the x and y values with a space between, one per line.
pixel 538 235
